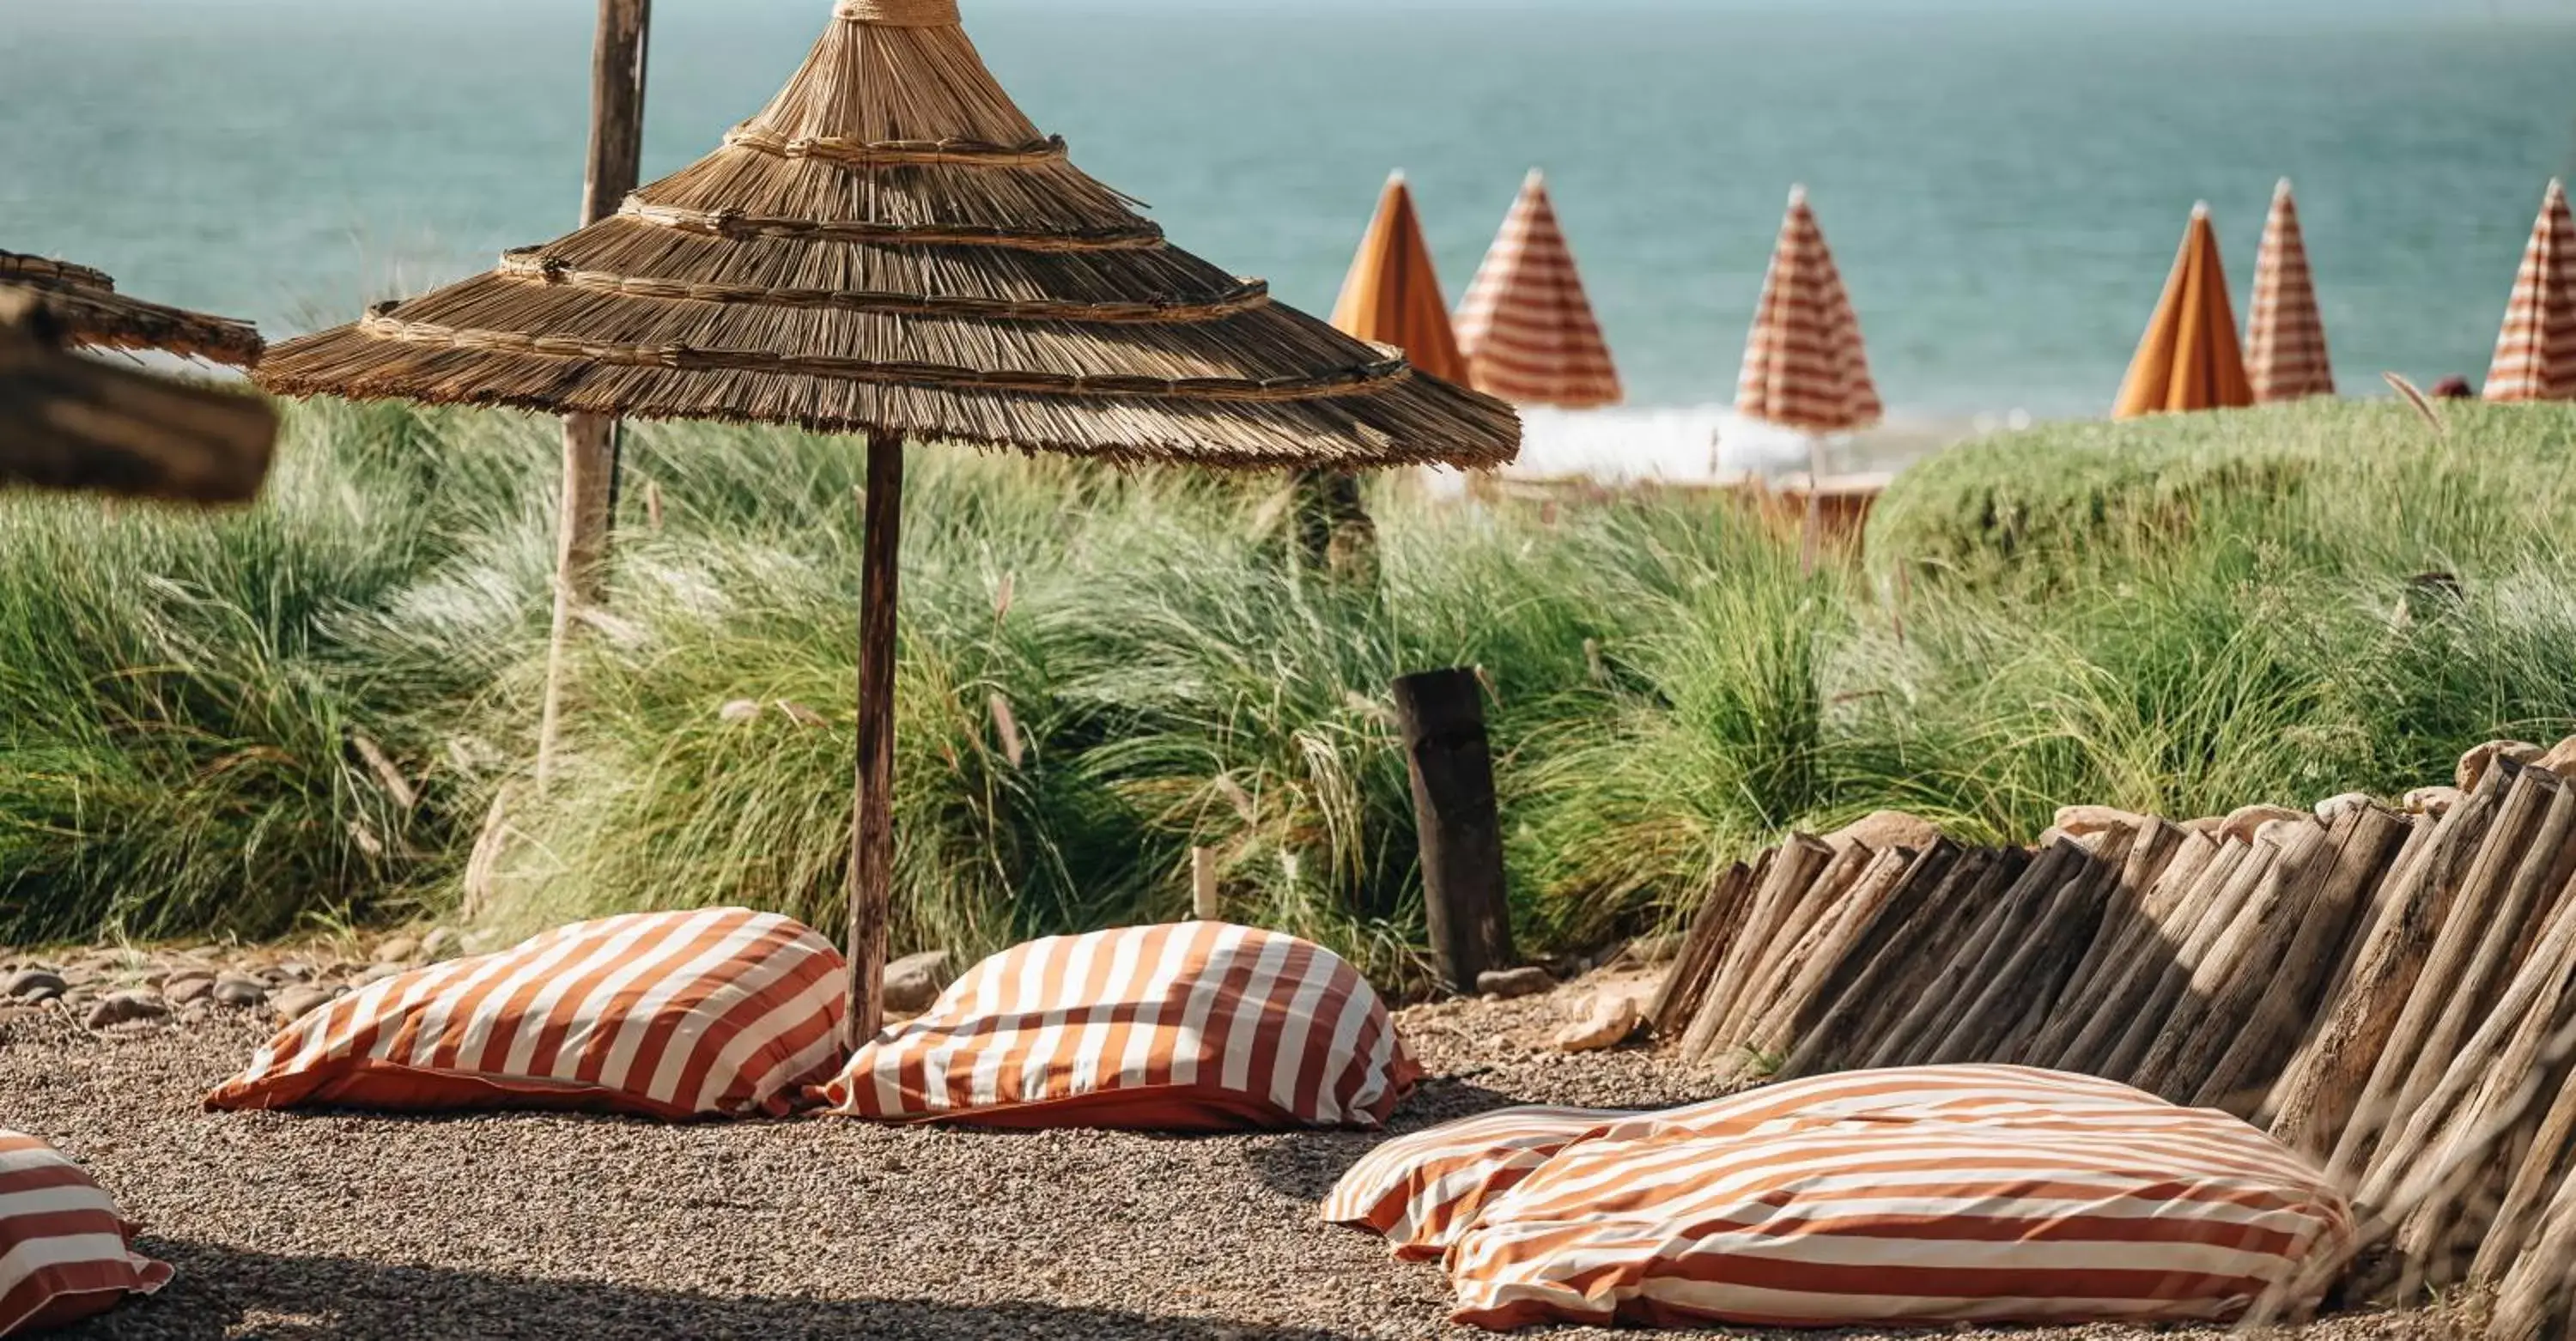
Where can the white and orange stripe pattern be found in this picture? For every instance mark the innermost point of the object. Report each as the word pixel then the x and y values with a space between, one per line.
pixel 720 1012
pixel 1526 326
pixel 1195 1027
pixel 1804 365
pixel 2285 335
pixel 2535 357
pixel 1422 1191
pixel 66 1252
pixel 1991 1195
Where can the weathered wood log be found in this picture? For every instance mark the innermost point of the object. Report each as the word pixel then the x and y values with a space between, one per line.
pixel 2314 1103
pixel 2151 1014
pixel 1441 715
pixel 2254 1026
pixel 2407 1071
pixel 1850 1024
pixel 1823 1029
pixel 2116 944
pixel 1826 949
pixel 1769 971
pixel 1686 982
pixel 2152 848
pixel 2254 940
pixel 1794 866
pixel 2030 961
pixel 1930 1017
pixel 2546 1165
pixel 2134 976
pixel 69 422
pixel 2122 889
pixel 871 882
pixel 1923 948
pixel 2534 1303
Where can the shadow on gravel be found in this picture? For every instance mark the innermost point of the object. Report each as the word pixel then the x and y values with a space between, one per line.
pixel 226 1293
pixel 1305 1165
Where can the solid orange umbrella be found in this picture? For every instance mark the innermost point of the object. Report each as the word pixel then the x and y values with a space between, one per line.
pixel 2535 357
pixel 1804 365
pixel 2285 337
pixel 2190 359
pixel 1527 326
pixel 1392 296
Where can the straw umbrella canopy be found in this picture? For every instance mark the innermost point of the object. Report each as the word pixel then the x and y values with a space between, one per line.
pixel 892 249
pixel 1526 326
pixel 1392 294
pixel 2535 356
pixel 68 422
pixel 84 307
pixel 1805 366
pixel 2285 336
pixel 2190 359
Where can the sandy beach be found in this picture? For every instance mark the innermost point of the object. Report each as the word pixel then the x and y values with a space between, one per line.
pixel 513 1225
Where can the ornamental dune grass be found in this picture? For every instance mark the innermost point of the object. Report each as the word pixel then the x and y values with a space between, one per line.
pixel 1101 670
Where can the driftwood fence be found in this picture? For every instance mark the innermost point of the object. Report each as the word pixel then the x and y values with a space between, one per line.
pixel 2393 994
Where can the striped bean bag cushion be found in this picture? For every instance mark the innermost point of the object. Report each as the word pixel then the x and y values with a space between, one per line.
pixel 2018 1197
pixel 1422 1191
pixel 65 1251
pixel 722 1012
pixel 1196 1027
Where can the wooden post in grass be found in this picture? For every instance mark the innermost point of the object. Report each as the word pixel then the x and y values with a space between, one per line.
pixel 1205 902
pixel 872 811
pixel 1443 718
pixel 590 441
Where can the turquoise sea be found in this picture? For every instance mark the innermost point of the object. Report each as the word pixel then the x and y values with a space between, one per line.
pixel 2004 187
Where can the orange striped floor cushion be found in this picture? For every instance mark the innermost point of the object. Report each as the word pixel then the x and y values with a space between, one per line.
pixel 1196 1027
pixel 2015 1197
pixel 723 1012
pixel 65 1251
pixel 1422 1191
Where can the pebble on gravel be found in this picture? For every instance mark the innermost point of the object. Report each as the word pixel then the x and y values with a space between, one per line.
pixel 188 989
pixel 399 950
pixel 1611 1021
pixel 441 945
pixel 913 983
pixel 126 1008
pixel 296 1002
pixel 27 984
pixel 1511 983
pixel 239 991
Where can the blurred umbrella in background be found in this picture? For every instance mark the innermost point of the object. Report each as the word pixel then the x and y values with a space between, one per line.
pixel 1805 366
pixel 2190 359
pixel 2285 335
pixel 2535 356
pixel 1526 326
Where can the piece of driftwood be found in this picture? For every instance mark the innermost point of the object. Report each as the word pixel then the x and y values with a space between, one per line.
pixel 2406 1072
pixel 1774 1031
pixel 2029 961
pixel 1827 1022
pixel 74 423
pixel 2116 942
pixel 1703 945
pixel 1450 759
pixel 2149 1015
pixel 1792 939
pixel 2250 1035
pixel 2547 1164
pixel 2533 1303
pixel 2136 976
pixel 2313 1105
pixel 2153 846
pixel 1794 867
pixel 1932 1014
pixel 2253 941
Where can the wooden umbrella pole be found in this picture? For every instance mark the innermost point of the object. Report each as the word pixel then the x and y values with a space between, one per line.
pixel 872 818
pixel 616 165
pixel 1811 552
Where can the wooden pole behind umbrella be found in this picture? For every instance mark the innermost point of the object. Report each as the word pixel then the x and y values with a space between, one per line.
pixel 590 441
pixel 872 817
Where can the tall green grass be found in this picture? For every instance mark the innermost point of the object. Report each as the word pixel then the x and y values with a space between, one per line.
pixel 1101 670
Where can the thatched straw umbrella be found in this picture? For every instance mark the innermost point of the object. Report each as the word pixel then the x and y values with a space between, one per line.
pixel 84 307
pixel 74 423
pixel 892 249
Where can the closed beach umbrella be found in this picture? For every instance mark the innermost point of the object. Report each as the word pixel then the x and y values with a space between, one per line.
pixel 2285 336
pixel 892 249
pixel 1804 364
pixel 2189 359
pixel 86 312
pixel 2535 357
pixel 1526 326
pixel 1392 295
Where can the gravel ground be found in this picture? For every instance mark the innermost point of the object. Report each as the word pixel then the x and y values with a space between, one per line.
pixel 553 1227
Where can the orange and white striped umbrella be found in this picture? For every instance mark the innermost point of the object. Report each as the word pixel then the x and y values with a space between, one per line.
pixel 2190 359
pixel 1392 295
pixel 1804 365
pixel 2535 357
pixel 1526 326
pixel 2285 336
